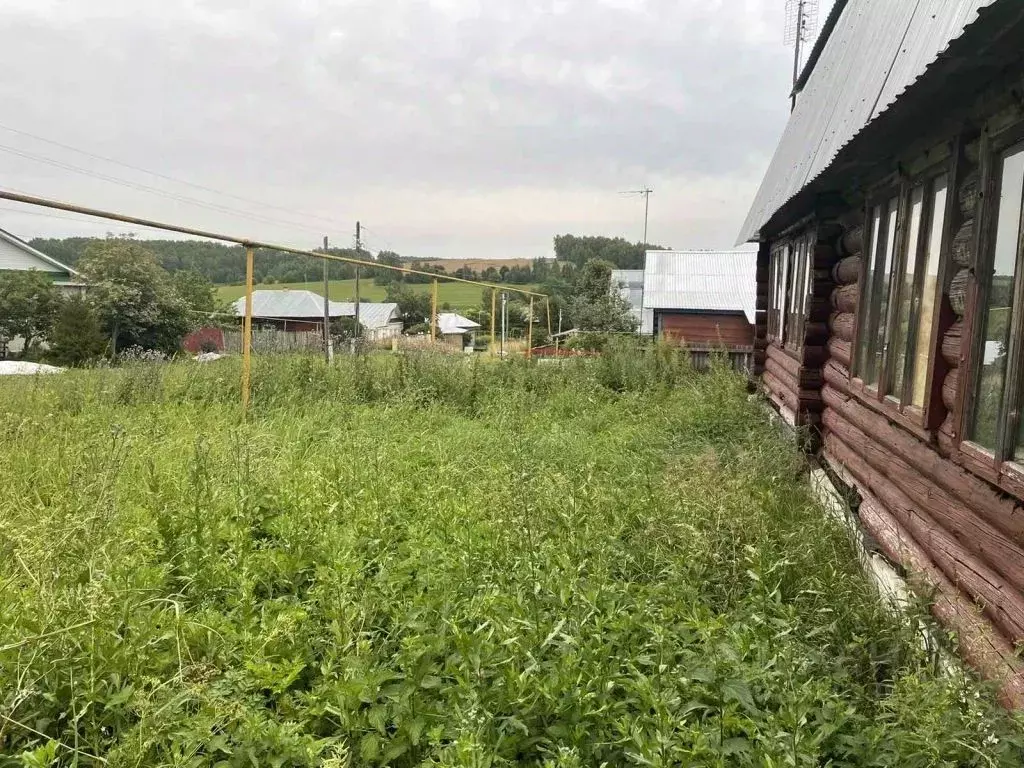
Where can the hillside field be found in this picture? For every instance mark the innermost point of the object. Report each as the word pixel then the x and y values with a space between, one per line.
pixel 410 560
pixel 458 295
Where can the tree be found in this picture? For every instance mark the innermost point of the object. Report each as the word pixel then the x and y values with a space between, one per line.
pixel 621 253
pixel 28 304
pixel 413 306
pixel 200 298
pixel 134 296
pixel 76 337
pixel 596 308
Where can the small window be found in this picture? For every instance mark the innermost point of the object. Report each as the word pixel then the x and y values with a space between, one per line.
pixel 992 391
pixel 917 292
pixel 873 332
pixel 790 278
pixel 777 289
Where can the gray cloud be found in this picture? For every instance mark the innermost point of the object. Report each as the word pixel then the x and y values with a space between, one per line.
pixel 452 127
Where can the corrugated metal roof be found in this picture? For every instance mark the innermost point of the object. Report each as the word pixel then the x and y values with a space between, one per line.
pixel 372 314
pixel 877 49
pixel 287 304
pixel 710 281
pixel 449 323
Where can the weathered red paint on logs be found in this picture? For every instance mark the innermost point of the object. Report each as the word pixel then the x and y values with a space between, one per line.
pixel 1002 604
pixel 840 351
pixel 982 646
pixel 983 499
pixel 841 324
pixel 951 343
pixel 844 298
pixel 847 271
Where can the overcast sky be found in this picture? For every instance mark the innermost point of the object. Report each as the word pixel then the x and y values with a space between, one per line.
pixel 451 128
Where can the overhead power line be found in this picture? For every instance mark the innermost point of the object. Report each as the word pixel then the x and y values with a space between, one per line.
pixel 155 190
pixel 174 179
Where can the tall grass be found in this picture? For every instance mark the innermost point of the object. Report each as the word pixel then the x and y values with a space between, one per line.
pixel 426 561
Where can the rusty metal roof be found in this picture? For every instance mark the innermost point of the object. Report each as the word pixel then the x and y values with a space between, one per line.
pixel 701 281
pixel 877 49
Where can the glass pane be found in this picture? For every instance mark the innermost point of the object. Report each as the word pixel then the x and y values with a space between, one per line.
pixel 783 276
pixel 865 368
pixel 808 260
pixel 988 405
pixel 929 294
pixel 902 339
pixel 884 288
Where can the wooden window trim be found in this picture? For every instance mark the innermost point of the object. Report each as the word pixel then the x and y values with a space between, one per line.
pixel 868 395
pixel 878 396
pixel 994 466
pixel 881 196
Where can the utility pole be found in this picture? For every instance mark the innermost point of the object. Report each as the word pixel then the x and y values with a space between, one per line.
pixel 504 321
pixel 359 247
pixel 646 192
pixel 328 347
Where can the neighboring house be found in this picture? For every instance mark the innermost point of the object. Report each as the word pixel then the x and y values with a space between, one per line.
pixel 18 256
pixel 890 285
pixel 630 285
pixel 451 326
pixel 303 311
pixel 705 299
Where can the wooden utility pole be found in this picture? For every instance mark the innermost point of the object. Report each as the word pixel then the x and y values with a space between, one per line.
pixel 247 330
pixel 433 312
pixel 529 333
pixel 359 248
pixel 327 308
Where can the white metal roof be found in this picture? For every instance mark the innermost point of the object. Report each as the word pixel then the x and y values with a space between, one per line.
pixel 287 304
pixel 877 49
pixel 708 281
pixel 449 323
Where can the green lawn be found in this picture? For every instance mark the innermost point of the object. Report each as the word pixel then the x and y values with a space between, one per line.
pixel 416 560
pixel 457 295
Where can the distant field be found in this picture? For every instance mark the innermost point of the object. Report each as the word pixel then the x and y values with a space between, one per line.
pixel 479 265
pixel 458 295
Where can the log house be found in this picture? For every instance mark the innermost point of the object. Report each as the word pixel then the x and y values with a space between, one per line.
pixel 890 319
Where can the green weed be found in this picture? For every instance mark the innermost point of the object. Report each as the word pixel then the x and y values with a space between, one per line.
pixel 421 561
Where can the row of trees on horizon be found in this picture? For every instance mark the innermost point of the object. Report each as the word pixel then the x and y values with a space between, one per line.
pixel 223 264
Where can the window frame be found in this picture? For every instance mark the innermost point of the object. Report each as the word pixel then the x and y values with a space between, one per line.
pixel 880 198
pixel 881 396
pixel 998 463
pixel 790 292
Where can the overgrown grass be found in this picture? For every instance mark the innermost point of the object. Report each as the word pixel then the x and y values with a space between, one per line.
pixel 426 561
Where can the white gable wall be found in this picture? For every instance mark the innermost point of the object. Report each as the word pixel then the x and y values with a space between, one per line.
pixel 14 258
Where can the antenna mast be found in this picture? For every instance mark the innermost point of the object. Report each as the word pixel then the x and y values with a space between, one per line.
pixel 646 192
pixel 801 24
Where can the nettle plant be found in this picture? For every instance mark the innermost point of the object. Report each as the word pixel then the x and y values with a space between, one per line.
pixel 419 560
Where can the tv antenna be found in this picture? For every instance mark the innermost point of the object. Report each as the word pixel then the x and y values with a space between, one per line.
pixel 646 192
pixel 801 24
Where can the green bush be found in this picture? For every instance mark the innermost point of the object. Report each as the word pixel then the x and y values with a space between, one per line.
pixel 420 560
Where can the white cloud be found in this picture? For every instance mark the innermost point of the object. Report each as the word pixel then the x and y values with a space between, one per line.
pixel 458 125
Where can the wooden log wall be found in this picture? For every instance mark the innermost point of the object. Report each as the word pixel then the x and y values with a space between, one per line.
pixel 959 277
pixel 761 309
pixel 793 377
pixel 961 538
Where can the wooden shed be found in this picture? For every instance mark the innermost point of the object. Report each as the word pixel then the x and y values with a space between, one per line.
pixel 704 300
pixel 890 315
